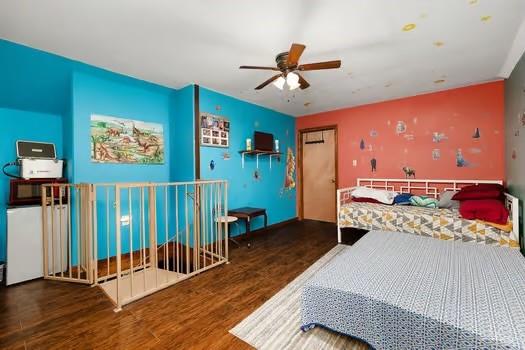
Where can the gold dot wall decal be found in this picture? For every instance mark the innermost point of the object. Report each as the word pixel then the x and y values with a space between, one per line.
pixel 306 104
pixel 486 18
pixel 439 81
pixel 473 2
pixel 388 85
pixel 408 27
pixel 438 43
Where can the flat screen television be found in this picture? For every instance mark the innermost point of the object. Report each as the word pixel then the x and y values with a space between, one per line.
pixel 263 141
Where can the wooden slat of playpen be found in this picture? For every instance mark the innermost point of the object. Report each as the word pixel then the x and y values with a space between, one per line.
pixel 107 234
pixel 88 234
pixel 177 228
pixel 187 224
pixel 166 241
pixel 226 240
pixel 52 231
pixel 60 229
pixel 131 266
pixel 152 204
pixel 77 229
pixel 69 232
pixel 143 235
pixel 218 215
pixel 45 237
pixel 118 243
pixel 203 224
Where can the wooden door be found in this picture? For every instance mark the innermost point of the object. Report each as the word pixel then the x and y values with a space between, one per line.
pixel 319 174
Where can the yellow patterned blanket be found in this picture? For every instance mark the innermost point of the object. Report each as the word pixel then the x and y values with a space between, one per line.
pixel 443 224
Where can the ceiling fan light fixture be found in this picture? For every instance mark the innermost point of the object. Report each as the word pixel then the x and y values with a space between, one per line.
pixel 279 83
pixel 292 80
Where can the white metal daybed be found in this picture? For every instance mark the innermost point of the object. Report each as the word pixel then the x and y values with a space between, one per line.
pixel 445 224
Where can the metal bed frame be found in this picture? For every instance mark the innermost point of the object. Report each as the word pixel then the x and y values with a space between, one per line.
pixel 429 187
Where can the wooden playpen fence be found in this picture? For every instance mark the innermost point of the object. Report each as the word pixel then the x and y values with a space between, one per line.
pixel 133 239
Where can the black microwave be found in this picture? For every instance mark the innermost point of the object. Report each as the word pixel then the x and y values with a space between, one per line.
pixel 27 192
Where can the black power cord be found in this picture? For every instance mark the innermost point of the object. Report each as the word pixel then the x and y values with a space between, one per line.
pixel 15 163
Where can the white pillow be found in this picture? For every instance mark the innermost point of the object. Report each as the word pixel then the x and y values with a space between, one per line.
pixel 383 196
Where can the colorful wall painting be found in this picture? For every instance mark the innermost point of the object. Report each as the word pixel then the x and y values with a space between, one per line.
pixel 362 144
pixel 373 164
pixel 373 133
pixel 476 134
pixel 215 131
pixel 117 140
pixel 451 115
pixel 289 179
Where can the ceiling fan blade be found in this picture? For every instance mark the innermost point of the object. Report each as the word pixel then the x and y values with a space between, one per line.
pixel 275 77
pixel 320 65
pixel 295 53
pixel 302 82
pixel 257 67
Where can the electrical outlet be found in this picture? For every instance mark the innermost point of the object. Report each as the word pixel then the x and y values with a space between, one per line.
pixel 124 220
pixel 354 162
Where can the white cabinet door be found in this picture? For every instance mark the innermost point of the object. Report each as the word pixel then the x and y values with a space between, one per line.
pixel 24 243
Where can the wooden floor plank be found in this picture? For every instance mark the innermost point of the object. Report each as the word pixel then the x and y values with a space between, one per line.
pixel 194 314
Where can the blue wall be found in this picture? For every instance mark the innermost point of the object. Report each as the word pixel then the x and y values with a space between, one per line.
pixel 51 98
pixel 182 143
pixel 22 125
pixel 244 190
pixel 112 97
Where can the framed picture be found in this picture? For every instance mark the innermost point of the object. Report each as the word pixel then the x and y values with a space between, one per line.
pixel 215 131
pixel 117 140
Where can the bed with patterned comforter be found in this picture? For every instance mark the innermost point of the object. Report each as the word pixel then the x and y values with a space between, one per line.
pixel 399 291
pixel 443 224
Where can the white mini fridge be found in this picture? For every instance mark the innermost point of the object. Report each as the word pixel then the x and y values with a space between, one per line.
pixel 25 244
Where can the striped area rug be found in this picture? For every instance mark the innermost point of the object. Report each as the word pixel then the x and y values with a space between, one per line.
pixel 275 325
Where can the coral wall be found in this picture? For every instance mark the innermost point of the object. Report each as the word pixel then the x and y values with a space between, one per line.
pixel 454 134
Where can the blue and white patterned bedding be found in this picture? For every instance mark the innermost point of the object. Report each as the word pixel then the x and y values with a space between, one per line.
pixel 399 291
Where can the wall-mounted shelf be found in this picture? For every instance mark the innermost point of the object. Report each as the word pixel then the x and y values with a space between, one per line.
pixel 258 153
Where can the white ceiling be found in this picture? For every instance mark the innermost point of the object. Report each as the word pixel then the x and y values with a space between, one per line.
pixel 174 43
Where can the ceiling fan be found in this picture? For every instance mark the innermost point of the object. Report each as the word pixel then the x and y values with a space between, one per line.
pixel 288 67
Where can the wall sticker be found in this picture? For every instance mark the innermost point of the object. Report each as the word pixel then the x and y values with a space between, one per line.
pixel 437 137
pixel 289 178
pixel 373 164
pixel 409 172
pixel 436 154
pixel 476 134
pixel 362 144
pixel 460 160
pixel 401 127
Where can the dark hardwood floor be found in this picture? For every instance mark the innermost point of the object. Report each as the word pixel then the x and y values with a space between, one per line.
pixel 194 314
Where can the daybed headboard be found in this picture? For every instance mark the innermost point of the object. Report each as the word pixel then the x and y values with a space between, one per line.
pixel 431 187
